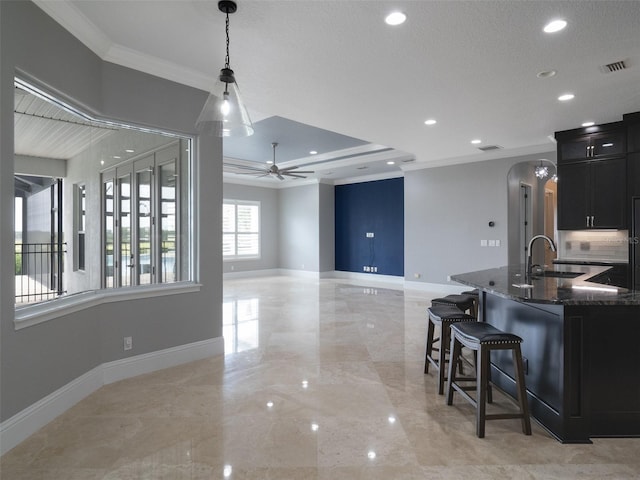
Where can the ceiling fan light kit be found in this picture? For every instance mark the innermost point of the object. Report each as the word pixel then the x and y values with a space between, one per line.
pixel 224 113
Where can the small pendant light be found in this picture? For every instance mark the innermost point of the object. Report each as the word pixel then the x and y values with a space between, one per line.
pixel 541 171
pixel 224 113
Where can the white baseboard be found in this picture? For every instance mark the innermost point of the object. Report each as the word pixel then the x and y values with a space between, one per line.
pixel 25 423
pixel 269 272
pixel 299 273
pixel 391 281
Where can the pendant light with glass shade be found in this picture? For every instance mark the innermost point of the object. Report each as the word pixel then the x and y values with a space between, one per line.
pixel 224 113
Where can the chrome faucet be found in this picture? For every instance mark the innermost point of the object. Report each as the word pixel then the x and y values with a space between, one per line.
pixel 529 266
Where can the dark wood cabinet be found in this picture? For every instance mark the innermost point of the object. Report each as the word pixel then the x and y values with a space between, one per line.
pixel 633 131
pixel 592 194
pixel 596 145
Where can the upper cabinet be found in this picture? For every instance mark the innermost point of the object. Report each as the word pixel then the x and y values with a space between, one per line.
pixel 592 171
pixel 633 157
pixel 592 142
pixel 592 194
pixel 632 120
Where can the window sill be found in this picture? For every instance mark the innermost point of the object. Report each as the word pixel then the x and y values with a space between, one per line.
pixel 29 315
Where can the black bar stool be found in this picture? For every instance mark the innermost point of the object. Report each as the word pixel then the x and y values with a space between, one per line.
pixel 484 338
pixel 465 303
pixel 442 316
pixel 475 294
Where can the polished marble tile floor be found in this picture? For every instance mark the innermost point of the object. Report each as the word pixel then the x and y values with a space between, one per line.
pixel 321 380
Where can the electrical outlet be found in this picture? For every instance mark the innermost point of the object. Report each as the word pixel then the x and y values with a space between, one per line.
pixel 128 343
pixel 497 243
pixel 416 275
pixel 374 269
pixel 370 235
pixel 483 243
pixel 492 243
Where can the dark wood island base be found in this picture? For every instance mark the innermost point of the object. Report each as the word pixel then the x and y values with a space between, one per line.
pixel 580 350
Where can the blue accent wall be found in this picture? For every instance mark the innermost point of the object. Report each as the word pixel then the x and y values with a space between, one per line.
pixel 376 207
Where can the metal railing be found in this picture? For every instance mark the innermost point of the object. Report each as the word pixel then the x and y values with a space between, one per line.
pixel 38 271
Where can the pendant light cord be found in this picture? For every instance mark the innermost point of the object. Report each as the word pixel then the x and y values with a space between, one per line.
pixel 226 59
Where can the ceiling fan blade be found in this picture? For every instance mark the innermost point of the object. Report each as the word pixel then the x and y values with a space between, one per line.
pixel 244 167
pixel 280 177
pixel 304 171
pixel 288 168
pixel 294 175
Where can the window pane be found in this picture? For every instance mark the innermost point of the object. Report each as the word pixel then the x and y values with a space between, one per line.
pixel 168 232
pixel 228 218
pixel 228 244
pixel 125 230
pixel 248 244
pixel 144 227
pixel 247 218
pixel 108 234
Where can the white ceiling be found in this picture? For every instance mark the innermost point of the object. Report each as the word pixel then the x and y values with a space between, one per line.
pixel 337 66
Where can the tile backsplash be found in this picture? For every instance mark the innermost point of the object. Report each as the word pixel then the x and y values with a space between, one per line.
pixel 610 246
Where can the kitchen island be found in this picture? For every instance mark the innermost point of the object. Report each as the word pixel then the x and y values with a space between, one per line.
pixel 580 348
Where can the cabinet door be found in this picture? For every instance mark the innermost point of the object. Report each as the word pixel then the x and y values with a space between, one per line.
pixel 633 138
pixel 609 191
pixel 574 149
pixel 607 144
pixel 573 198
pixel 633 174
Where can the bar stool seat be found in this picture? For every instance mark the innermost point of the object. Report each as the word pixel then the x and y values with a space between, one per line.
pixel 442 316
pixel 484 338
pixel 466 303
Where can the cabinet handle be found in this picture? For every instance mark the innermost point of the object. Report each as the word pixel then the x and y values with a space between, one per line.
pixel 588 149
pixel 592 217
pixel 592 149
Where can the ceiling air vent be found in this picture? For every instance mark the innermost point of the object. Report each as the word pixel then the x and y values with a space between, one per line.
pixel 613 67
pixel 489 148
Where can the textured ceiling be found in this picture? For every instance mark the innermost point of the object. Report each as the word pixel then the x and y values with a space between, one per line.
pixel 337 66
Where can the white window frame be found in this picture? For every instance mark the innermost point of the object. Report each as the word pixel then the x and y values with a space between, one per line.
pixel 237 257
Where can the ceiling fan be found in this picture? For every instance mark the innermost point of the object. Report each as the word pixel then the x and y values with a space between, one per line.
pixel 274 170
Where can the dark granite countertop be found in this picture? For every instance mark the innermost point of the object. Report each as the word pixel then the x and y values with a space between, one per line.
pixel 558 284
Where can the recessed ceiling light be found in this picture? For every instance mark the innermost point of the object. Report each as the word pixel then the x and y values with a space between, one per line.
pixel 116 156
pixel 313 152
pixel 565 97
pixel 588 124
pixel 395 18
pixel 546 74
pixel 391 162
pixel 128 150
pixel 269 162
pixel 476 141
pixel 555 26
pixel 431 121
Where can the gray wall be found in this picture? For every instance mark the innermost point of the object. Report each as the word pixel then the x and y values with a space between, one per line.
pixel 299 227
pixel 327 228
pixel 447 212
pixel 36 361
pixel 269 226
